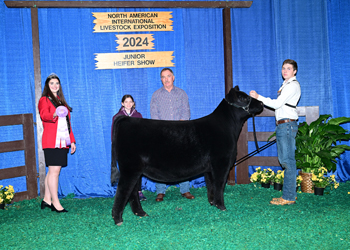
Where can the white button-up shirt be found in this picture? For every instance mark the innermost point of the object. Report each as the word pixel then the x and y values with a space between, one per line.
pixel 288 93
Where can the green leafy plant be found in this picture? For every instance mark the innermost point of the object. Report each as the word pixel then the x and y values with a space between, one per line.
pixel 318 144
pixel 321 181
pixel 6 194
pixel 262 176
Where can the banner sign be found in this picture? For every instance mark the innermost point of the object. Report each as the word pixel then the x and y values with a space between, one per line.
pixel 134 60
pixel 132 21
pixel 135 42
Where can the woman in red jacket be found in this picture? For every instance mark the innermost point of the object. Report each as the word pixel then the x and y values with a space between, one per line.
pixel 57 138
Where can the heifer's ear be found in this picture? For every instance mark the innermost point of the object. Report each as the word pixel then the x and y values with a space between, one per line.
pixel 236 88
pixel 231 96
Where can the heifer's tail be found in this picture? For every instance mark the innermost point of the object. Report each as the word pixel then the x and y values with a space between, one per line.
pixel 115 174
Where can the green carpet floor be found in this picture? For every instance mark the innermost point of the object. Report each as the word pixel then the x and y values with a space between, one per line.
pixel 250 222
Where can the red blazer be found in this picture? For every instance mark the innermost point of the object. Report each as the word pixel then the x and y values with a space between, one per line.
pixel 46 110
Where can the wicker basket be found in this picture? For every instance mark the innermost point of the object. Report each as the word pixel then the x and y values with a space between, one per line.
pixel 306 184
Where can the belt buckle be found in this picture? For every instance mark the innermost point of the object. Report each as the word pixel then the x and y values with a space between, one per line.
pixel 282 121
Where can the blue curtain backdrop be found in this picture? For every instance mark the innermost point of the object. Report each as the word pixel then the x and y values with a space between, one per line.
pixel 314 33
pixel 339 44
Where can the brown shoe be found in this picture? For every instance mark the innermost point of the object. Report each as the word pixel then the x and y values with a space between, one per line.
pixel 278 198
pixel 188 195
pixel 281 201
pixel 160 197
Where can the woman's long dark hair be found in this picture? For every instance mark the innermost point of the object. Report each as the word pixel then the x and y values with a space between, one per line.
pixel 47 92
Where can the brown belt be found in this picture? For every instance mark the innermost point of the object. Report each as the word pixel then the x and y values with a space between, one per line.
pixel 284 121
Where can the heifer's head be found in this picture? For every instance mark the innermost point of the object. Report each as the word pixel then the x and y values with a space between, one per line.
pixel 243 101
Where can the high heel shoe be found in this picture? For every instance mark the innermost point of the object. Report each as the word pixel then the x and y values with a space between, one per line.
pixel 53 209
pixel 44 204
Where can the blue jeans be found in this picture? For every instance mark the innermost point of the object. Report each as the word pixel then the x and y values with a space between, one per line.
pixel 285 137
pixel 184 187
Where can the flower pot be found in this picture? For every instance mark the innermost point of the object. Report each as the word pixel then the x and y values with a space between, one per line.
pixel 306 184
pixel 265 185
pixel 277 186
pixel 2 205
pixel 318 191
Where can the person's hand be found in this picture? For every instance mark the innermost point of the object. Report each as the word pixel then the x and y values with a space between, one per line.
pixel 72 148
pixel 253 94
pixel 54 115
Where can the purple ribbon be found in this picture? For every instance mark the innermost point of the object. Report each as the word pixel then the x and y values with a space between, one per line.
pixel 62 135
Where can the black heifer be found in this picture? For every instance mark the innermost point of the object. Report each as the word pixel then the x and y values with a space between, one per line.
pixel 173 151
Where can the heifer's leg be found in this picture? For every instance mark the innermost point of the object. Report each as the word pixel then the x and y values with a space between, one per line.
pixel 209 182
pixel 220 172
pixel 134 201
pixel 219 186
pixel 126 185
pixel 120 200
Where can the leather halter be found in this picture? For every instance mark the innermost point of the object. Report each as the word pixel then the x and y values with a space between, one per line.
pixel 245 108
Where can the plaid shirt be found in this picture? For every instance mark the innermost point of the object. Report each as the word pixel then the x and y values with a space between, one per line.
pixel 171 105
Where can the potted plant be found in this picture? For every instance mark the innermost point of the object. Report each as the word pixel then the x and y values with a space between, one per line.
pixel 319 145
pixel 321 181
pixel 264 177
pixel 278 180
pixel 6 195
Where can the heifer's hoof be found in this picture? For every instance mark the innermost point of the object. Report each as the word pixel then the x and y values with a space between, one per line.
pixel 222 208
pixel 141 214
pixel 118 222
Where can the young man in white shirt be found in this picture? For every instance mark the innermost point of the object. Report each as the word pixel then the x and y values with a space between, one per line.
pixel 287 128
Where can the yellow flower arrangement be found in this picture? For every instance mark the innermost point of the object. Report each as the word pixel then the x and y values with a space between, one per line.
pixel 6 194
pixel 321 181
pixel 279 177
pixel 262 176
pixel 299 180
